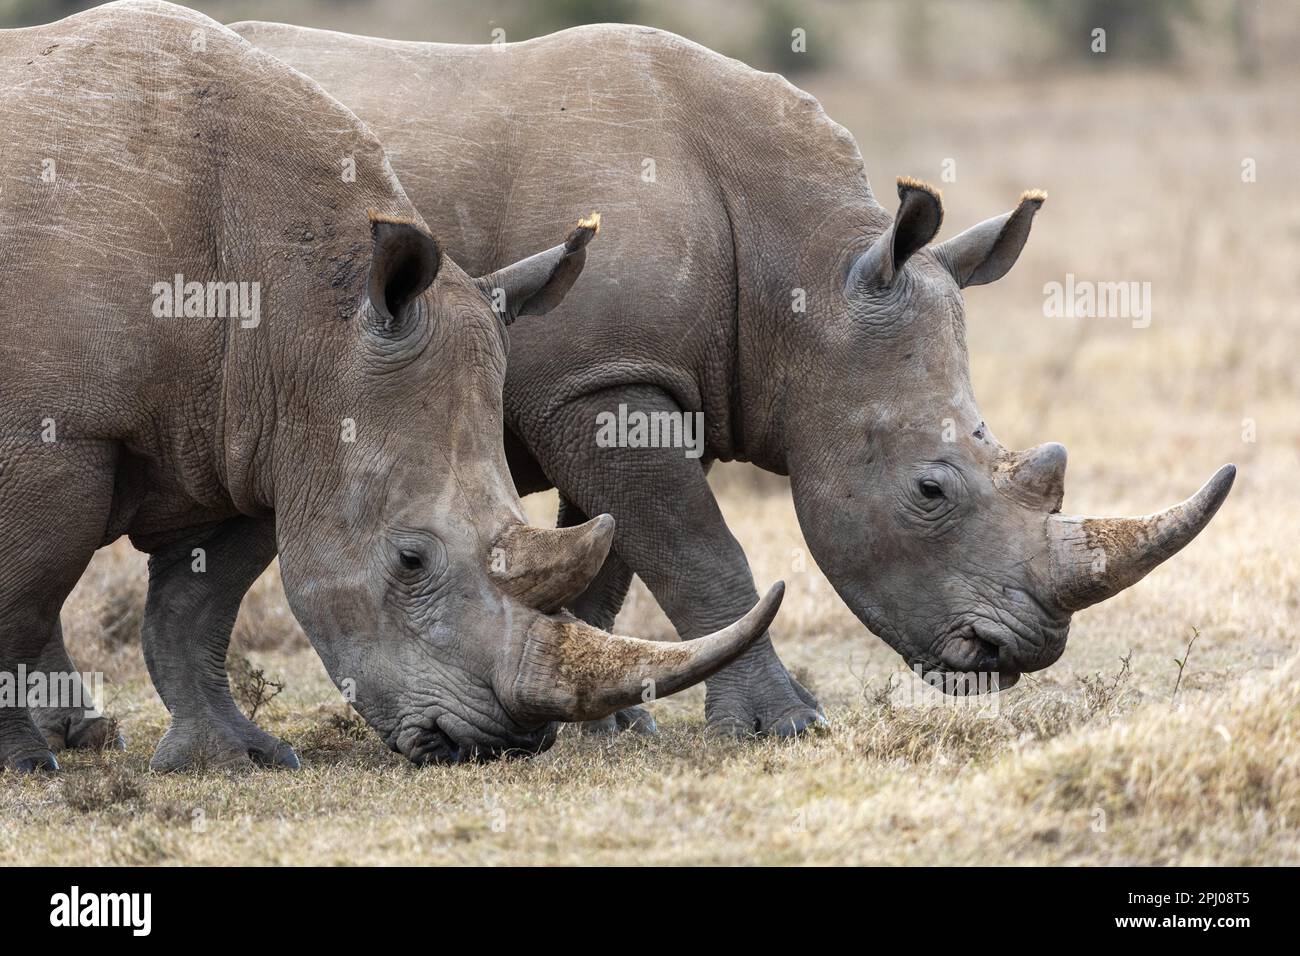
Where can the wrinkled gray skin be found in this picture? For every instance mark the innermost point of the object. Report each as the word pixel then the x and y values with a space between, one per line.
pixel 941 541
pixel 403 550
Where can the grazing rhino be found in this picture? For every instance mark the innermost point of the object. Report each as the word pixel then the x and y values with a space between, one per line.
pixel 227 332
pixel 731 196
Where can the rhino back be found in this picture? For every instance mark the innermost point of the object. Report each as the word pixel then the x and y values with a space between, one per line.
pixel 498 146
pixel 496 142
pixel 161 157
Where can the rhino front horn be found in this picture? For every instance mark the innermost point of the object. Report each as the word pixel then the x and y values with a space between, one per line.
pixel 547 568
pixel 570 671
pixel 1095 558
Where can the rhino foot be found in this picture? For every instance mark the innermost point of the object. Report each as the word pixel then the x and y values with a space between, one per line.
pixel 33 763
pixel 21 746
pixel 769 703
pixel 636 719
pixel 232 744
pixel 22 749
pixel 30 762
pixel 71 729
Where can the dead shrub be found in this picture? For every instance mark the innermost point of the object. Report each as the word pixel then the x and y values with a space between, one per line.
pixel 251 688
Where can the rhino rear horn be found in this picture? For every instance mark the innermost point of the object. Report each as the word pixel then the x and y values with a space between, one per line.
pixel 536 285
pixel 1036 477
pixel 547 568
pixel 570 671
pixel 1095 558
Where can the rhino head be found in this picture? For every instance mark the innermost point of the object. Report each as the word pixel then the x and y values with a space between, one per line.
pixel 944 543
pixel 404 552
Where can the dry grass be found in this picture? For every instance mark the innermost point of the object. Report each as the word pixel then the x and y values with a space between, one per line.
pixel 1048 779
pixel 1089 762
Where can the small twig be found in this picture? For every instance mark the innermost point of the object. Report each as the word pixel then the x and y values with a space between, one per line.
pixel 250 684
pixel 1183 663
pixel 1103 695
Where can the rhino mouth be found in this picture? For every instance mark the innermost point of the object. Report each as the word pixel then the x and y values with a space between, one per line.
pixel 975 659
pixel 432 745
pixel 971 650
pixel 969 683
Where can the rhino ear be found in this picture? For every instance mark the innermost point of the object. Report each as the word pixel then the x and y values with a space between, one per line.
pixel 535 285
pixel 920 214
pixel 987 251
pixel 404 261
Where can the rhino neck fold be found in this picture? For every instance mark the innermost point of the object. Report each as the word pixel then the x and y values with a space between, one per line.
pixel 246 430
pixel 796 195
pixel 776 350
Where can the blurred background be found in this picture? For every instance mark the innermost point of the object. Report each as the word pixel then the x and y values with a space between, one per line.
pixel 869 39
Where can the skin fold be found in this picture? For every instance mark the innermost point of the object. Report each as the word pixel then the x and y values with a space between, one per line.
pixel 353 425
pixel 728 196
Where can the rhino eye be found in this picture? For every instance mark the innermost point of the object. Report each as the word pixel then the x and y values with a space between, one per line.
pixel 411 560
pixel 930 489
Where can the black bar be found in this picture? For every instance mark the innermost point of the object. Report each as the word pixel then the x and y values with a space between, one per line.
pixel 339 906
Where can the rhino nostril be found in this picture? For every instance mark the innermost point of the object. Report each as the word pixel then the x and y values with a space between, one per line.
pixel 989 655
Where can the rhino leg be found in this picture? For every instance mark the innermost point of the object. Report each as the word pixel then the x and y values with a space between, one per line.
pixel 188 618
pixel 599 606
pixel 56 500
pixel 72 727
pixel 22 744
pixel 671 533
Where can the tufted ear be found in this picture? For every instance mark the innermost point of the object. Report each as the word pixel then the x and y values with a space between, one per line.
pixel 535 285
pixel 920 213
pixel 404 261
pixel 987 251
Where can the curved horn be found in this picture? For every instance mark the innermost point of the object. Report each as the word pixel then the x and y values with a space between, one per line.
pixel 1095 558
pixel 571 671
pixel 546 568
